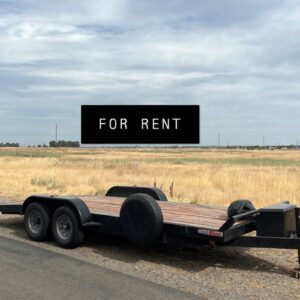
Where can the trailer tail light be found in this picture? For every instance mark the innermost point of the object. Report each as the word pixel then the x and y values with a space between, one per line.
pixel 210 232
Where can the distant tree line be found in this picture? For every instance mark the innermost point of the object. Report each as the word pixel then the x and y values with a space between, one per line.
pixel 9 145
pixel 253 147
pixel 62 143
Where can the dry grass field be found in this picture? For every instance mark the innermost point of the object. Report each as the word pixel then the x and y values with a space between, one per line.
pixel 190 175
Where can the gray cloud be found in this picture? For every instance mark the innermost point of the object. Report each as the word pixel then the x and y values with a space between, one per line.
pixel 238 60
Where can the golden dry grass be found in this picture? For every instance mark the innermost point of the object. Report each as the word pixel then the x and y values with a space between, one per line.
pixel 198 176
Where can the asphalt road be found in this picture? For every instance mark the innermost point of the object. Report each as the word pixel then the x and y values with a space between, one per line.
pixel 29 272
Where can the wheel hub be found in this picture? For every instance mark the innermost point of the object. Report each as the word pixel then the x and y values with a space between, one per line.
pixel 64 227
pixel 35 221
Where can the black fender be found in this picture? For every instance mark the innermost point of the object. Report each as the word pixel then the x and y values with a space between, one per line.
pixel 125 191
pixel 81 209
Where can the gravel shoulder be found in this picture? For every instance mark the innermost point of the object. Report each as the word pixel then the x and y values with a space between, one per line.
pixel 218 273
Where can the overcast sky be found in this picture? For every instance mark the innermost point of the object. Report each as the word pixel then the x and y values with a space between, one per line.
pixel 240 60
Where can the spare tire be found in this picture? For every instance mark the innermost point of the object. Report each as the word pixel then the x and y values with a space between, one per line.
pixel 239 206
pixel 141 219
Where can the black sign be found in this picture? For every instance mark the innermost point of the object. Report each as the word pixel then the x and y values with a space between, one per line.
pixel 140 124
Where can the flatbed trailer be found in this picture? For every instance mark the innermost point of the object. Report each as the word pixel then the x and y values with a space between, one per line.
pixel 144 216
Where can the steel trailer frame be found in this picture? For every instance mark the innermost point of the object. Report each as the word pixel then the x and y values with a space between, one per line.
pixel 232 233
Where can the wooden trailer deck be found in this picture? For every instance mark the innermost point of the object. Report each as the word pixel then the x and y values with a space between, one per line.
pixel 179 213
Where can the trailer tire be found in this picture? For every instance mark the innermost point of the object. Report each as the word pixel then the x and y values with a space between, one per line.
pixel 141 219
pixel 239 206
pixel 37 221
pixel 66 228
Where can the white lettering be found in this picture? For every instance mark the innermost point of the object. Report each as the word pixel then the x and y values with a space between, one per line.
pixel 176 120
pixel 155 124
pixel 102 122
pixel 165 123
pixel 145 122
pixel 112 124
pixel 123 123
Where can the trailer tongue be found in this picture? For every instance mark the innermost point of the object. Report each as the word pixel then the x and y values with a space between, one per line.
pixel 144 216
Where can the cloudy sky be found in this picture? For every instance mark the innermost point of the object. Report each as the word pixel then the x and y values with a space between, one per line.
pixel 240 60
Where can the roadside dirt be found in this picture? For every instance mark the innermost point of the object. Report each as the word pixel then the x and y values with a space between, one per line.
pixel 218 273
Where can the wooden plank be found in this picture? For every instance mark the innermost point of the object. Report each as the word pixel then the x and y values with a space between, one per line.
pixel 168 207
pixel 168 216
pixel 195 215
pixel 173 212
pixel 163 204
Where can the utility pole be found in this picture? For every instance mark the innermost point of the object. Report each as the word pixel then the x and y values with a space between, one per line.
pixel 56 127
pixel 219 139
pixel 263 141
